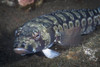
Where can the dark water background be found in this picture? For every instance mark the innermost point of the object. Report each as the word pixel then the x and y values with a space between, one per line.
pixel 13 17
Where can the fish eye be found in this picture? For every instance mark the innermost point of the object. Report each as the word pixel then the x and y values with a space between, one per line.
pixel 36 35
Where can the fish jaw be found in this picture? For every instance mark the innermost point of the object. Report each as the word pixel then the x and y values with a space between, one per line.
pixel 21 51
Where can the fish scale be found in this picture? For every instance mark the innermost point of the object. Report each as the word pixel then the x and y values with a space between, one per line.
pixel 63 26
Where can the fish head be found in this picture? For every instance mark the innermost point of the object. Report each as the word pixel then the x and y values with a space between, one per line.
pixel 29 39
pixel 24 45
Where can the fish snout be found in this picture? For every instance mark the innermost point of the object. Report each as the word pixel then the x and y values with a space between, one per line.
pixel 20 50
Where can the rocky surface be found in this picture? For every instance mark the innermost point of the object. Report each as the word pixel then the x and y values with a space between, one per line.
pixel 85 55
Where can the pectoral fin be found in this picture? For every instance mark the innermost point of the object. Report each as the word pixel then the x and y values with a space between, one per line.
pixel 71 37
pixel 50 53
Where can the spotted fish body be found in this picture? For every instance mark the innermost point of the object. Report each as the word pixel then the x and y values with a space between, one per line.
pixel 64 27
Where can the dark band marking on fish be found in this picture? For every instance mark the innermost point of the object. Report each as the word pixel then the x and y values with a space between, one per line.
pixel 59 20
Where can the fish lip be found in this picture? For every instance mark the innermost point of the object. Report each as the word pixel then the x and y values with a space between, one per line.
pixel 20 51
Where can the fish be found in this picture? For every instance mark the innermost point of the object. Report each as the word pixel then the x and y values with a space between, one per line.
pixel 64 27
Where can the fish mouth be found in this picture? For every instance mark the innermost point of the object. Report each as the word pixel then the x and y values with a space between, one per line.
pixel 20 51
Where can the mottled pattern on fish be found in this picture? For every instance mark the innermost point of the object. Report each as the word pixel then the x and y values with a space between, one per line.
pixel 52 28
